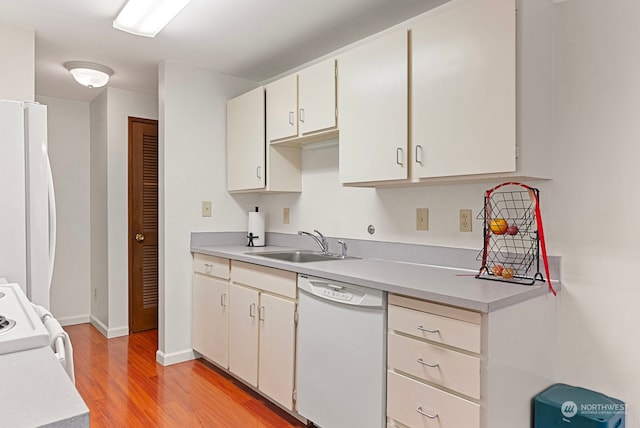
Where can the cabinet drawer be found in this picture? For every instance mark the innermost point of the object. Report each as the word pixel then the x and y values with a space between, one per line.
pixel 211 265
pixel 407 397
pixel 272 280
pixel 449 331
pixel 455 370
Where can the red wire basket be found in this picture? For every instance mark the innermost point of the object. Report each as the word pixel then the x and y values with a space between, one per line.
pixel 513 235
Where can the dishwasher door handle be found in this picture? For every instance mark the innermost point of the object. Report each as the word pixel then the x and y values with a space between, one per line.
pixel 327 284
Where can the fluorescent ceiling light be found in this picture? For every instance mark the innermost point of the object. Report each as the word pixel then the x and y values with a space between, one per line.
pixel 89 74
pixel 147 17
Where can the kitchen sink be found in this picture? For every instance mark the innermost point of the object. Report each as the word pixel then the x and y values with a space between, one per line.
pixel 301 256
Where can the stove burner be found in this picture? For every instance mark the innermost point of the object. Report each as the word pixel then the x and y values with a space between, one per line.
pixel 5 324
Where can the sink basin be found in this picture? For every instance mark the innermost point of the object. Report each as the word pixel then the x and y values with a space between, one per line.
pixel 300 256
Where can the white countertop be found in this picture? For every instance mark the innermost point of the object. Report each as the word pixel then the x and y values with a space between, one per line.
pixel 453 287
pixel 36 391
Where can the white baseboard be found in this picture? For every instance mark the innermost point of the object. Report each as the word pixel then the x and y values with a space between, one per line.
pixel 117 332
pixel 175 357
pixel 107 332
pixel 99 325
pixel 79 319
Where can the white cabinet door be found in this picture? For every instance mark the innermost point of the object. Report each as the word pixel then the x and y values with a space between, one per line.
pixel 282 108
pixel 243 333
pixel 317 97
pixel 277 348
pixel 373 107
pixel 463 89
pixel 246 142
pixel 211 318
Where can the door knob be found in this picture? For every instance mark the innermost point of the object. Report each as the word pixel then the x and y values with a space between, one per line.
pixel 139 237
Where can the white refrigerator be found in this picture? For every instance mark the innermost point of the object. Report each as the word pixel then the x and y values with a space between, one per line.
pixel 27 201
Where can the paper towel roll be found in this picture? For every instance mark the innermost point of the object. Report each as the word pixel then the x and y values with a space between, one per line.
pixel 256 227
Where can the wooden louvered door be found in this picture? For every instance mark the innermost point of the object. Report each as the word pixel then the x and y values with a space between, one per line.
pixel 143 224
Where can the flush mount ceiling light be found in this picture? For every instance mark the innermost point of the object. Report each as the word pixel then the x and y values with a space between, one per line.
pixel 89 74
pixel 147 17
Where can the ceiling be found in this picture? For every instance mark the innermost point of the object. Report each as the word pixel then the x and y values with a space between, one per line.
pixel 252 39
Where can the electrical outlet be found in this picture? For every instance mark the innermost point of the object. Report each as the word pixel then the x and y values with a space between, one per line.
pixel 206 208
pixel 422 218
pixel 285 216
pixel 465 220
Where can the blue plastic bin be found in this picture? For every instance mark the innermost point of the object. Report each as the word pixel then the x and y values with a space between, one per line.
pixel 569 406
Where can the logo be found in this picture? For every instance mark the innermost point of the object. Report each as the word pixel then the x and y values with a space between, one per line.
pixel 569 409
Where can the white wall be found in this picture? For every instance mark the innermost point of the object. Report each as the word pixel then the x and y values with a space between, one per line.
pixel 192 138
pixel 121 105
pixel 17 63
pixel 68 132
pixel 98 238
pixel 347 211
pixel 594 195
pixel 110 113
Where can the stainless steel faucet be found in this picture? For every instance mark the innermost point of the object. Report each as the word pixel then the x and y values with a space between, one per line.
pixel 343 248
pixel 320 239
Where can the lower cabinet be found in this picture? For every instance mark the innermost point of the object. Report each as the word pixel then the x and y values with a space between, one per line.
pixel 243 333
pixel 451 368
pixel 262 329
pixel 262 342
pixel 276 358
pixel 211 318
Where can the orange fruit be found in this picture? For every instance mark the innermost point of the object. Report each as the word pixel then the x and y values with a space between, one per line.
pixel 498 226
pixel 507 273
pixel 497 270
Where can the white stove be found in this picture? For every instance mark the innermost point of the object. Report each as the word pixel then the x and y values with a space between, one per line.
pixel 20 327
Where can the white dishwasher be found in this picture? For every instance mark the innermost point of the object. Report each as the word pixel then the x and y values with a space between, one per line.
pixel 341 354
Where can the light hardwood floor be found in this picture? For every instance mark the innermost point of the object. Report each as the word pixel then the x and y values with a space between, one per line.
pixel 123 386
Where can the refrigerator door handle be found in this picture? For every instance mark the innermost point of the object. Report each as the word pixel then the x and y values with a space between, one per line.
pixel 52 221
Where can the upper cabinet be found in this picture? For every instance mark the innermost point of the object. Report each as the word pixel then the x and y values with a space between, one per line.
pixel 317 96
pixel 252 164
pixel 303 104
pixel 282 108
pixel 246 142
pixel 463 91
pixel 373 105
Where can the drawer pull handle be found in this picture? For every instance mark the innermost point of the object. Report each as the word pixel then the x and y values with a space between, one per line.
pixel 424 363
pixel 419 410
pixel 208 265
pixel 421 328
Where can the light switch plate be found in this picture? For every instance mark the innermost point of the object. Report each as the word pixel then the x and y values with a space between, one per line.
pixel 285 216
pixel 422 219
pixel 206 208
